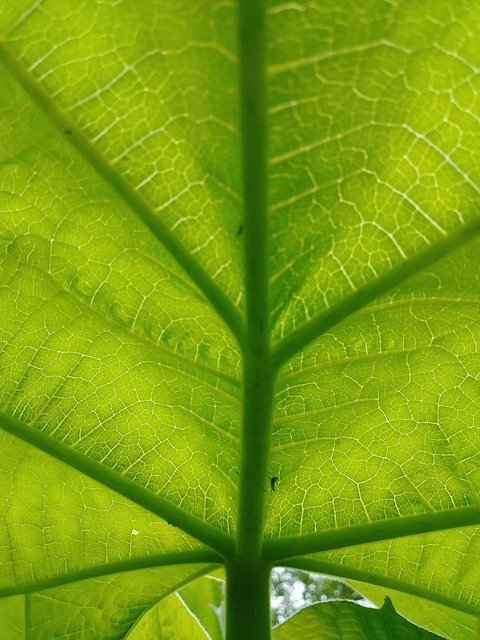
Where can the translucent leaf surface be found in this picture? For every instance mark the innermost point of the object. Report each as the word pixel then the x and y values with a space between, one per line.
pixel 98 608
pixel 238 306
pixel 12 615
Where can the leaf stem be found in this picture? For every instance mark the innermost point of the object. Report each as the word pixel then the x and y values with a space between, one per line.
pixel 248 601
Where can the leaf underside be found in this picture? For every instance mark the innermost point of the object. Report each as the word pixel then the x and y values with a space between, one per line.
pixel 131 319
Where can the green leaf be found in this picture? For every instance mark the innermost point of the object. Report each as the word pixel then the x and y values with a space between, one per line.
pixel 104 607
pixel 437 618
pixel 12 615
pixel 193 612
pixel 424 599
pixel 238 308
pixel 348 621
pixel 171 620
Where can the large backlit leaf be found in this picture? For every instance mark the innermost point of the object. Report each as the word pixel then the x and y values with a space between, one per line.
pixel 238 306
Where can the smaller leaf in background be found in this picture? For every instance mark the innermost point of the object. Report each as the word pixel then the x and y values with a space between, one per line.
pixel 205 597
pixel 169 620
pixel 194 612
pixel 349 621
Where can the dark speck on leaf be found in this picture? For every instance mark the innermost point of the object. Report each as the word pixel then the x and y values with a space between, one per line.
pixel 240 230
pixel 273 482
pixel 68 132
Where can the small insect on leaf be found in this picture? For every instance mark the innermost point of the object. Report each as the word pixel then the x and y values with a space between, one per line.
pixel 273 482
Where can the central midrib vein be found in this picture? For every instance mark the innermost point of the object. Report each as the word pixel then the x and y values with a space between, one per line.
pixel 257 370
